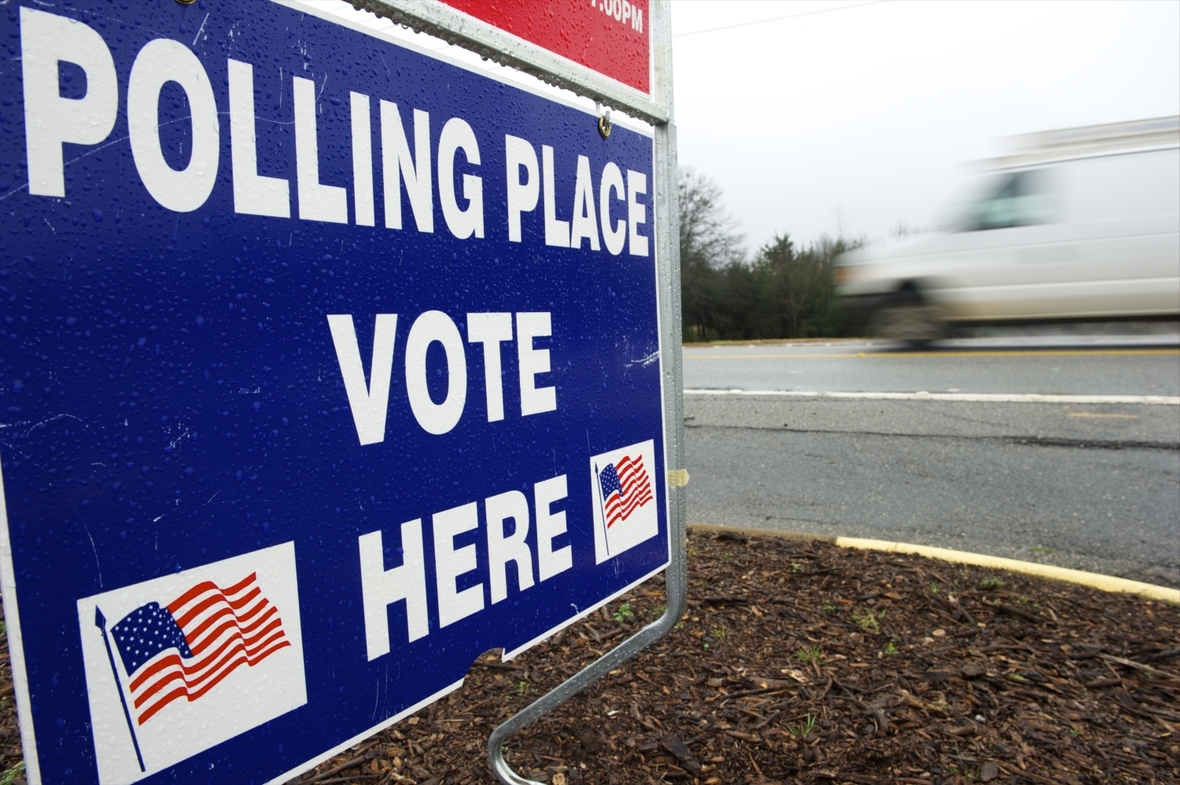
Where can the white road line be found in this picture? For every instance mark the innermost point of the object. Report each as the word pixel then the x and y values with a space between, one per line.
pixel 1165 400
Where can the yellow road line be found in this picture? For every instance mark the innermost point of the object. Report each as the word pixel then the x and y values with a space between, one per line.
pixel 960 397
pixel 1105 415
pixel 891 355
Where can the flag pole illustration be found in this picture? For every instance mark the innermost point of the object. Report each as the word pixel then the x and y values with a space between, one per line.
pixel 101 622
pixel 598 497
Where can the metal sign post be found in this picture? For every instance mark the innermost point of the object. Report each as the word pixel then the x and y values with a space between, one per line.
pixel 326 365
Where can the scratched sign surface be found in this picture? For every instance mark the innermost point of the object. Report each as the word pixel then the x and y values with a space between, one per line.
pixel 326 365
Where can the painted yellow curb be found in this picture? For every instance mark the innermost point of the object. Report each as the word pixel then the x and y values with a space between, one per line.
pixel 1092 579
pixel 1064 574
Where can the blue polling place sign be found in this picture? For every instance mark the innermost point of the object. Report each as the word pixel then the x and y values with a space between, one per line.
pixel 326 365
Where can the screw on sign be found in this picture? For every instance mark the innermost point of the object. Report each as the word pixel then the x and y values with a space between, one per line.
pixel 320 381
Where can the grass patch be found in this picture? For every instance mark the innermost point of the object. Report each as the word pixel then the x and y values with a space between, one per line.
pixel 810 655
pixel 868 621
pixel 804 728
pixel 17 771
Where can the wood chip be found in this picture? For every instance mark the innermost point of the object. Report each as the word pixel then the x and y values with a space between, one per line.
pixel 785 698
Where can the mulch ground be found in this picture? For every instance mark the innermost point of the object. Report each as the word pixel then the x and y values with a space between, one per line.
pixel 803 662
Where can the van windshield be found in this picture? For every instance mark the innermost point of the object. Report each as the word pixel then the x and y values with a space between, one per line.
pixel 1007 200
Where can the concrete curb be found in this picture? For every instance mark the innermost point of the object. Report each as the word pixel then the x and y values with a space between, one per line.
pixel 1065 575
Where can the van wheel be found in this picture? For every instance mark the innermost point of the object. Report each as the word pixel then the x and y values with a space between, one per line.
pixel 910 321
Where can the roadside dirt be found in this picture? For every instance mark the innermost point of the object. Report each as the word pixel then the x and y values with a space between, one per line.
pixel 804 662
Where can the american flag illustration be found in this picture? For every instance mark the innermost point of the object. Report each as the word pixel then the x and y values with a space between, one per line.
pixel 625 488
pixel 184 649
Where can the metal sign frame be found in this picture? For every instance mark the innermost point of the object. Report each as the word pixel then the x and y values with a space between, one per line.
pixel 501 47
pixel 200 553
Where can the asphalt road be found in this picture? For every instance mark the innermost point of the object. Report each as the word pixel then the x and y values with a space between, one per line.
pixel 956 447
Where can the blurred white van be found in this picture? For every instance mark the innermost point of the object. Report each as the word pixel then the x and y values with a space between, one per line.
pixel 1076 224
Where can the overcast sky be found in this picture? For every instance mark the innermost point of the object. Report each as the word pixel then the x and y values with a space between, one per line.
pixel 867 116
pixel 820 115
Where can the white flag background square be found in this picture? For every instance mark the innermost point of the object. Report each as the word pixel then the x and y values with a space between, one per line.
pixel 251 672
pixel 624 493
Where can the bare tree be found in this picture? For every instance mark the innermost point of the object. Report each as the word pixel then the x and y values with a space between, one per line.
pixel 708 233
pixel 902 230
pixel 710 242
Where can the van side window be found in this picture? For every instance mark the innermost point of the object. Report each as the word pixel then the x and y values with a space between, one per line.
pixel 1017 199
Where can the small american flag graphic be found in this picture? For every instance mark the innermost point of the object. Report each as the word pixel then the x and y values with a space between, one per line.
pixel 624 499
pixel 188 647
pixel 626 486
pixel 182 662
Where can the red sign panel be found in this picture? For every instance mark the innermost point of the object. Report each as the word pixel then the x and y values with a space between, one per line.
pixel 608 36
